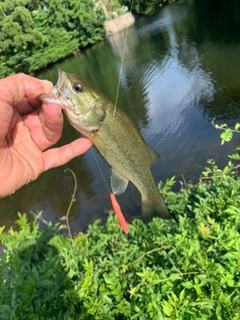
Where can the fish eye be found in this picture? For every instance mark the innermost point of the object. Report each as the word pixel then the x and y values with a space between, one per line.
pixel 78 87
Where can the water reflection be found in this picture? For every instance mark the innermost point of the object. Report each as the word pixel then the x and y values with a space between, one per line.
pixel 180 71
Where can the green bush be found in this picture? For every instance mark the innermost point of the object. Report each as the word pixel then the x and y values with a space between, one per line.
pixel 37 33
pixel 145 6
pixel 227 136
pixel 184 269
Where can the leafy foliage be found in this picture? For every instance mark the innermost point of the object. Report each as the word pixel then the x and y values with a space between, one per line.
pixel 184 269
pixel 145 6
pixel 227 136
pixel 235 156
pixel 112 7
pixel 36 33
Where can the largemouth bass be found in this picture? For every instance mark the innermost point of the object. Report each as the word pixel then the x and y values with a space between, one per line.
pixel 116 137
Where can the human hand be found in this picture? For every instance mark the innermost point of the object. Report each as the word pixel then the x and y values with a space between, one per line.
pixel 25 133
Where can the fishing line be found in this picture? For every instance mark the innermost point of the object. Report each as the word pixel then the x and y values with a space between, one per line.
pixel 100 171
pixel 114 202
pixel 117 92
pixel 122 60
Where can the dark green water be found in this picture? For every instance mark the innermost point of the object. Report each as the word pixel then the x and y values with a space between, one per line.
pixel 181 70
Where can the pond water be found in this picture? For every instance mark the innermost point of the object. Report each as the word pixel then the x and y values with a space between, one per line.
pixel 181 69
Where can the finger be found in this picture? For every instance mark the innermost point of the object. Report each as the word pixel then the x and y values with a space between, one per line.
pixel 21 87
pixel 58 156
pixel 52 120
pixel 45 126
pixel 32 120
pixel 27 106
pixel 6 113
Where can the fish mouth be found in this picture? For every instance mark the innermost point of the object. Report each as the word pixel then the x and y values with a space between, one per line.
pixel 63 95
pixel 59 88
pixel 61 79
pixel 60 91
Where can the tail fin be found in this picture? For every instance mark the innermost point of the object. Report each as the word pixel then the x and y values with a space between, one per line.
pixel 154 208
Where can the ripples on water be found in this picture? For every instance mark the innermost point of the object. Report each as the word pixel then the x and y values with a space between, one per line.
pixel 181 70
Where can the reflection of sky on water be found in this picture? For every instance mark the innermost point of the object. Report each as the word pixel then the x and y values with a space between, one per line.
pixel 171 91
pixel 172 86
pixel 163 20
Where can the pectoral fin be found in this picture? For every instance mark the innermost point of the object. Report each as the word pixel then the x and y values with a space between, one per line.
pixel 99 144
pixel 118 183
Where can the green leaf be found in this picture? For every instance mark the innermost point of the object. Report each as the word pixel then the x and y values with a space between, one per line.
pixel 237 126
pixel 182 295
pixel 167 308
pixel 235 156
pixel 188 284
pixel 226 136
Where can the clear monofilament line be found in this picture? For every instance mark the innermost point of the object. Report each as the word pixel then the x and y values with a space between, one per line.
pixel 99 168
pixel 117 93
pixel 122 61
pixel 115 205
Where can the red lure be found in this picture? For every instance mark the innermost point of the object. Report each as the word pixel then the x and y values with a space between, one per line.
pixel 117 209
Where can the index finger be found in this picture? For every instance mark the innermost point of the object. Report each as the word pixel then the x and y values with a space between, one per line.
pixel 21 91
pixel 25 107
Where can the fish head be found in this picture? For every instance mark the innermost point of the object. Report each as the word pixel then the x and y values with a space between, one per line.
pixel 80 101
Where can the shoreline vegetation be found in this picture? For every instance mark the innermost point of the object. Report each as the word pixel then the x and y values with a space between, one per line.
pixel 180 270
pixel 184 269
pixel 36 34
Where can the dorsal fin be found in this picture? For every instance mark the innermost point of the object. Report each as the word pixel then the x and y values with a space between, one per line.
pixel 153 154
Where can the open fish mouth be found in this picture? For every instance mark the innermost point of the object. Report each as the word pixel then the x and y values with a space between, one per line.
pixel 61 93
pixel 61 79
pixel 60 89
